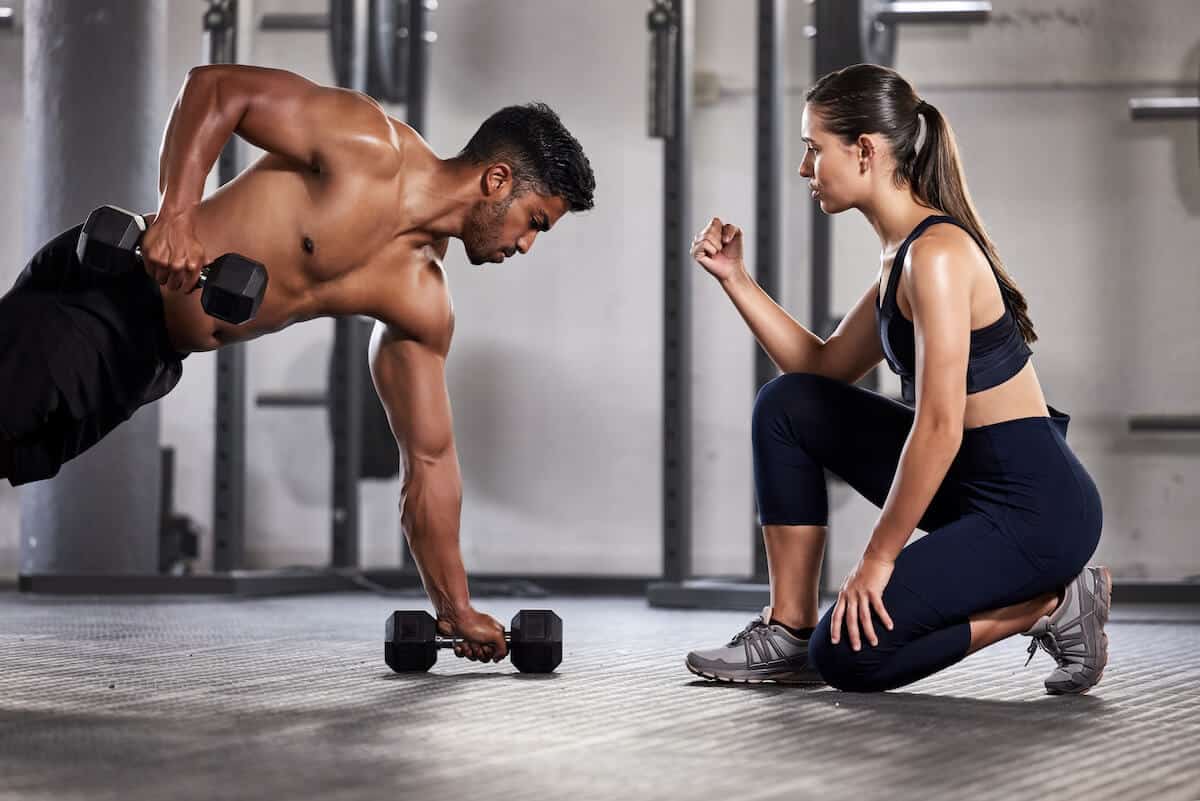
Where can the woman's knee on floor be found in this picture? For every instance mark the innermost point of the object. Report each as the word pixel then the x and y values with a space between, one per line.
pixel 844 668
pixel 897 658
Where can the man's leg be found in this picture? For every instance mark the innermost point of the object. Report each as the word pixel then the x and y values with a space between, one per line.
pixel 32 408
pixel 6 458
pixel 80 353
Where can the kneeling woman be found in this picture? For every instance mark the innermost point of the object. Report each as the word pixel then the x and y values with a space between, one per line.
pixel 974 456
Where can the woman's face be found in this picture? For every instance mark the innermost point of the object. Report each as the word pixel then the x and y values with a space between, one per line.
pixel 835 170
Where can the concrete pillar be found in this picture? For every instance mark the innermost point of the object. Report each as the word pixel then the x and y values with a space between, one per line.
pixel 94 117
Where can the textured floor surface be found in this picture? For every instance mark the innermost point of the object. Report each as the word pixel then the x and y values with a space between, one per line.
pixel 290 699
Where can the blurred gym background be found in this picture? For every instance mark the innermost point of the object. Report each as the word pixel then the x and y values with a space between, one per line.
pixel 557 369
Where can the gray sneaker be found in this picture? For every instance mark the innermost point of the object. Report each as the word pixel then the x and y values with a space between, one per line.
pixel 1074 633
pixel 758 653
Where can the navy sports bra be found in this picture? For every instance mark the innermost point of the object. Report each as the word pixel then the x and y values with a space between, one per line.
pixel 998 351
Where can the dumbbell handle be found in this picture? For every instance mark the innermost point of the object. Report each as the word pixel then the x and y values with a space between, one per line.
pixel 137 252
pixel 137 249
pixel 449 642
pixel 137 245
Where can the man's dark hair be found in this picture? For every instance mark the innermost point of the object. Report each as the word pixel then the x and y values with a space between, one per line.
pixel 541 151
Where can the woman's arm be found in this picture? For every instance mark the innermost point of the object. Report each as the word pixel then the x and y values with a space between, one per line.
pixel 792 347
pixel 939 291
pixel 851 351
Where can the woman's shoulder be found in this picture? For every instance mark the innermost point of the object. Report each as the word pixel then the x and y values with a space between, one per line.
pixel 943 242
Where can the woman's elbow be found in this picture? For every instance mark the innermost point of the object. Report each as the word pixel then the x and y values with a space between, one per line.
pixel 941 424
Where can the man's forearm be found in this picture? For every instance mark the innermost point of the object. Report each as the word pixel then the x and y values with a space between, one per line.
pixel 201 122
pixel 431 506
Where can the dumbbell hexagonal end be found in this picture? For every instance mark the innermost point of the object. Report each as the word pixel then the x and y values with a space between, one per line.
pixel 408 641
pixel 234 289
pixel 109 239
pixel 536 641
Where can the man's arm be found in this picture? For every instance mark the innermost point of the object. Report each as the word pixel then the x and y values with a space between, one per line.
pixel 410 379
pixel 278 111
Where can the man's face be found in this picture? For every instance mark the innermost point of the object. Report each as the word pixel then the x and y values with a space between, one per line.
pixel 497 228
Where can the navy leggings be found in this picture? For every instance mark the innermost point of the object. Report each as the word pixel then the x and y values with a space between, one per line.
pixel 1016 516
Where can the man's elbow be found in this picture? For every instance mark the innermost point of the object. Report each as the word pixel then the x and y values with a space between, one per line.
pixel 431 453
pixel 203 78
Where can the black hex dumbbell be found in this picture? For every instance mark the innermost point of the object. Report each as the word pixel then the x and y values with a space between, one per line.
pixel 411 641
pixel 234 286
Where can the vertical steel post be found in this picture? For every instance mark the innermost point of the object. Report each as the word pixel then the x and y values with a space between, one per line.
pixel 768 192
pixel 348 373
pixel 229 446
pixel 677 345
pixel 416 94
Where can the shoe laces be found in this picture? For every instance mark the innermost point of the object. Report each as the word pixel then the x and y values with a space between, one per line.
pixel 1048 642
pixel 753 629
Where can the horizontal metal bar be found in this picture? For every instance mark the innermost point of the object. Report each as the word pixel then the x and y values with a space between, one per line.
pixel 1172 423
pixel 293 22
pixel 320 22
pixel 236 583
pixel 1164 108
pixel 952 11
pixel 1150 591
pixel 497 583
pixel 286 581
pixel 743 596
pixel 292 399
pixel 929 88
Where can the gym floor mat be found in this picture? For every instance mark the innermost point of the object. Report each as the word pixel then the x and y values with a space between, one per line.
pixel 290 698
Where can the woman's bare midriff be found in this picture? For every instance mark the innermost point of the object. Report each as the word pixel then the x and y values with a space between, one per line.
pixel 1019 396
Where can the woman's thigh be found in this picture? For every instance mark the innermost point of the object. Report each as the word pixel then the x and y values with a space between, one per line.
pixel 805 422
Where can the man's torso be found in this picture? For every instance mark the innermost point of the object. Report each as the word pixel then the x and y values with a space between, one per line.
pixel 333 244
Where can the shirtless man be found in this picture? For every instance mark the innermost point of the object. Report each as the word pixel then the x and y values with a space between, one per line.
pixel 351 213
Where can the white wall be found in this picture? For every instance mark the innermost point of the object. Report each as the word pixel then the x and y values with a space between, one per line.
pixel 1098 220
pixel 555 370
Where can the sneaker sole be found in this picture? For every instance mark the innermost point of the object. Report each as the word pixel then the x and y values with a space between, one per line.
pixel 1102 612
pixel 783 678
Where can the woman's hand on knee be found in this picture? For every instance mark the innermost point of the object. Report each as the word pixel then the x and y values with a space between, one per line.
pixel 862 593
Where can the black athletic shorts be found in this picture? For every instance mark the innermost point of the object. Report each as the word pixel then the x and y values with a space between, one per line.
pixel 80 351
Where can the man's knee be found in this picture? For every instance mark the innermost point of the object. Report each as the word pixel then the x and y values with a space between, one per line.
pixel 6 458
pixel 33 458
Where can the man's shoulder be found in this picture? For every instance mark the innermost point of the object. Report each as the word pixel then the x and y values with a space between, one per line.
pixel 414 298
pixel 410 146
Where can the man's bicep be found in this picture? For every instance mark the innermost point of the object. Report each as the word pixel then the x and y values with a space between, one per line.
pixel 411 381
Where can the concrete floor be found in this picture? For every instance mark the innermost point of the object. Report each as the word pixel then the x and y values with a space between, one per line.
pixel 290 698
